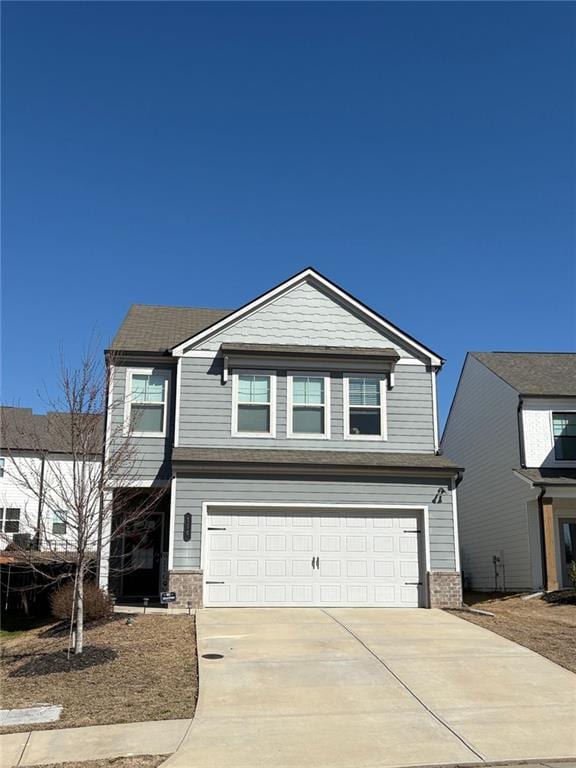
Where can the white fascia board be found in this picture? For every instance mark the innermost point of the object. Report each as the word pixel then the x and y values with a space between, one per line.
pixel 288 285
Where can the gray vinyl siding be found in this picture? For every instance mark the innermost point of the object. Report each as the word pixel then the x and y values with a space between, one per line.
pixel 206 411
pixel 482 436
pixel 306 315
pixel 191 492
pixel 151 460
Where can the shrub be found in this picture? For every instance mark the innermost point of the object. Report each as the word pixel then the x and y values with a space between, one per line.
pixel 97 604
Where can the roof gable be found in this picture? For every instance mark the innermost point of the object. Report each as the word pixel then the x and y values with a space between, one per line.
pixel 308 309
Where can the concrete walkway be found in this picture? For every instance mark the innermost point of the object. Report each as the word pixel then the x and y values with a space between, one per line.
pixel 370 688
pixel 160 737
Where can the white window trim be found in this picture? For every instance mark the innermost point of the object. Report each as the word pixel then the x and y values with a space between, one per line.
pixel 551 417
pixel 235 403
pixel 383 423
pixel 290 406
pixel 130 372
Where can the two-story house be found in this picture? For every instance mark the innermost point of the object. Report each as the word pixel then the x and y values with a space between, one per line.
pixel 296 438
pixel 36 462
pixel 513 425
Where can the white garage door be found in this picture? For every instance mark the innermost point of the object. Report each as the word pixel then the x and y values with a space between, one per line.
pixel 283 558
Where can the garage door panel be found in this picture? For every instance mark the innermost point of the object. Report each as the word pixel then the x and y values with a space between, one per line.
pixel 323 558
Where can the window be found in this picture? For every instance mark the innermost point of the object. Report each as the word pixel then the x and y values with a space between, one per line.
pixel 1 467
pixel 59 520
pixel 308 405
pixel 564 427
pixel 11 520
pixel 146 402
pixel 254 404
pixel 364 396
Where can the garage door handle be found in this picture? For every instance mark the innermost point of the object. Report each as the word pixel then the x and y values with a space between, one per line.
pixel 410 531
pixel 216 529
pixel 317 562
pixel 412 583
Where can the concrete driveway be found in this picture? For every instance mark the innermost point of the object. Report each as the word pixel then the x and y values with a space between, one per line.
pixel 368 688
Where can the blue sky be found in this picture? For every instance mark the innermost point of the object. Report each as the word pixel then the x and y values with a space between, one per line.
pixel 422 155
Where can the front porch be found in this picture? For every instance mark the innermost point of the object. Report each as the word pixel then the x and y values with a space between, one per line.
pixel 558 523
pixel 139 555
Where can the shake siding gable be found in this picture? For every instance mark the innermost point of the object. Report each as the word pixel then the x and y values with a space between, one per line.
pixel 305 315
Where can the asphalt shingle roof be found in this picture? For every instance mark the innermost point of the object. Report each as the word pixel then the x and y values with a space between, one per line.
pixel 148 328
pixel 270 456
pixel 543 476
pixel 534 373
pixel 23 430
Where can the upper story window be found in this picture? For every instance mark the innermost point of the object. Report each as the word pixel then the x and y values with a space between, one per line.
pixel 564 428
pixel 364 414
pixel 1 466
pixel 10 520
pixel 308 405
pixel 59 522
pixel 146 402
pixel 254 406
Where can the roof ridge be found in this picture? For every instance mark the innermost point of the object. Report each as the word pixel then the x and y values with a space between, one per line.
pixel 172 306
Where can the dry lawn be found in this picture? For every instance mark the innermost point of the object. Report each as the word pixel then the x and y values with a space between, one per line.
pixel 549 629
pixel 147 671
pixel 144 761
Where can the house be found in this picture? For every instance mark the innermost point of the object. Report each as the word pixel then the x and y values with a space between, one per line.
pixel 36 461
pixel 513 424
pixel 296 439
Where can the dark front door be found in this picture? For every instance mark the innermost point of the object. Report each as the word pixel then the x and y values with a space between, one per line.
pixel 568 548
pixel 142 555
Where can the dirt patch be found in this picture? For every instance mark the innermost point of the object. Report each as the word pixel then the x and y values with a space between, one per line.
pixel 147 671
pixel 544 627
pixel 143 761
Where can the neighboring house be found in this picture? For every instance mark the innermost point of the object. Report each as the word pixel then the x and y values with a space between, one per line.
pixel 513 425
pixel 296 438
pixel 35 457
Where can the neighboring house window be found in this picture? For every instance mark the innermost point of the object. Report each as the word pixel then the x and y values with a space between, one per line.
pixel 364 408
pixel 564 425
pixel 59 522
pixel 254 398
pixel 146 402
pixel 308 405
pixel 11 520
pixel 1 467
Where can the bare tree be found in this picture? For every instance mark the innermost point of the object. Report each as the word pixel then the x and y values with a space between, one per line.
pixel 62 465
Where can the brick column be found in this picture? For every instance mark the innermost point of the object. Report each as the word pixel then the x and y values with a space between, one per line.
pixel 188 587
pixel 550 545
pixel 445 589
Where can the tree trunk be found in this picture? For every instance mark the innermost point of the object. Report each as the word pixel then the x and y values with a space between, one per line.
pixel 79 644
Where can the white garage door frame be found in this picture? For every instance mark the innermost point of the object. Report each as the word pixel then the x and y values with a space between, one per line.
pixel 420 509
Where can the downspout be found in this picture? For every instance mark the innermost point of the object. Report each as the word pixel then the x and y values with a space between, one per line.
pixel 521 432
pixel 542 537
pixel 40 503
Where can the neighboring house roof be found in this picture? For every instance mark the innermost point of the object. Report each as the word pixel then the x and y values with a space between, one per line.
pixel 314 458
pixel 23 430
pixel 552 477
pixel 148 328
pixel 537 374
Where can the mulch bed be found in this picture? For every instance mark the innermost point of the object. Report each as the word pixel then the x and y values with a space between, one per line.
pixel 146 671
pixel 547 627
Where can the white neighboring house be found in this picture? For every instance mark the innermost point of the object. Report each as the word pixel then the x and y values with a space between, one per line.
pixel 512 424
pixel 38 516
